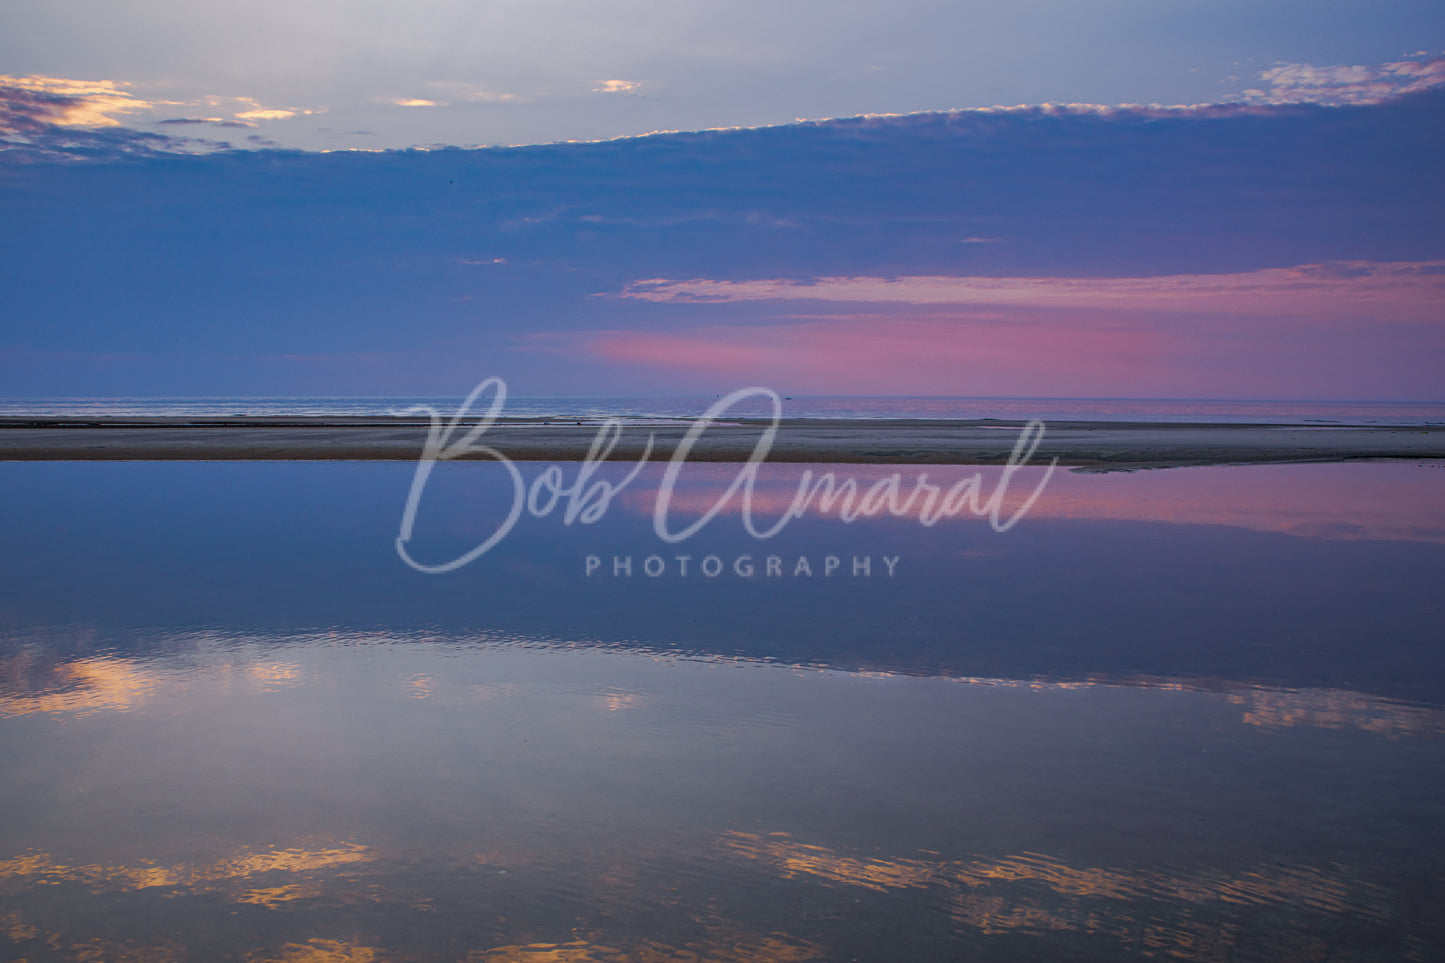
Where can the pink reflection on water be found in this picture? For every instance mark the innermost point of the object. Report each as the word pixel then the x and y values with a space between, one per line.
pixel 1379 500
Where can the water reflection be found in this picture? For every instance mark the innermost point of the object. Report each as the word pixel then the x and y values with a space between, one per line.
pixel 1133 909
pixel 254 735
pixel 42 869
pixel 1383 500
pixel 591 799
pixel 89 685
pixel 81 686
pixel 1093 584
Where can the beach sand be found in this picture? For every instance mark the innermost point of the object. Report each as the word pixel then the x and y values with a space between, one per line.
pixel 1096 445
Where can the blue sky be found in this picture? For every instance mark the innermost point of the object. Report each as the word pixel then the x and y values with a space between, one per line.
pixel 1272 230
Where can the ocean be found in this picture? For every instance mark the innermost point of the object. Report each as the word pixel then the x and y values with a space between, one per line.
pixel 645 409
pixel 292 711
pixel 1190 715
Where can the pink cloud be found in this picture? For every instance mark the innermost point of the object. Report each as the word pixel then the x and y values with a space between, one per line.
pixel 1342 330
pixel 1396 291
pixel 716 352
pixel 882 355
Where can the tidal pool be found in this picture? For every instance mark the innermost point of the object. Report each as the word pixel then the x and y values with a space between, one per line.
pixel 1193 714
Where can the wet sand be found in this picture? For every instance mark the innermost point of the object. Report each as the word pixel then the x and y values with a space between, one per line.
pixel 1096 445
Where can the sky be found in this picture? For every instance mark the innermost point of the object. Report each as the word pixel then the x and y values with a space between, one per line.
pixel 1037 199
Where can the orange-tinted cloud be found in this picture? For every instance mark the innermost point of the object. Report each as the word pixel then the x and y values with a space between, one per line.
pixel 617 87
pixel 266 114
pixel 64 102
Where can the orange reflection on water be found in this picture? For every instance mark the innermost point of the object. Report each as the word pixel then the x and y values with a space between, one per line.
pixel 15 930
pixel 42 868
pixel 288 861
pixel 273 896
pixel 984 899
pixel 86 686
pixel 794 859
pixel 1055 875
pixel 272 675
pixel 577 951
pixel 1336 709
pixel 322 951
pixel 723 946
pixel 618 701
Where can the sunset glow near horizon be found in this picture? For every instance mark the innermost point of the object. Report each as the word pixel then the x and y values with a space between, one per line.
pixel 249 211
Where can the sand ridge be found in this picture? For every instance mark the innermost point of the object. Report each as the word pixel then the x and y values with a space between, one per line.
pixel 1099 445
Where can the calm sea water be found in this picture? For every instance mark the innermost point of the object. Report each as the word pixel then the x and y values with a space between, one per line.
pixel 1193 715
pixel 1048 409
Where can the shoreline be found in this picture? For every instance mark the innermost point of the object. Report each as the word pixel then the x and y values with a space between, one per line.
pixel 1096 445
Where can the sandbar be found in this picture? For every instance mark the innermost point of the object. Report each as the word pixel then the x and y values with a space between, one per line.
pixel 1087 445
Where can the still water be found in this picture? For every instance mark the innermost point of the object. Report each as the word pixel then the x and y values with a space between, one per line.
pixel 1193 714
